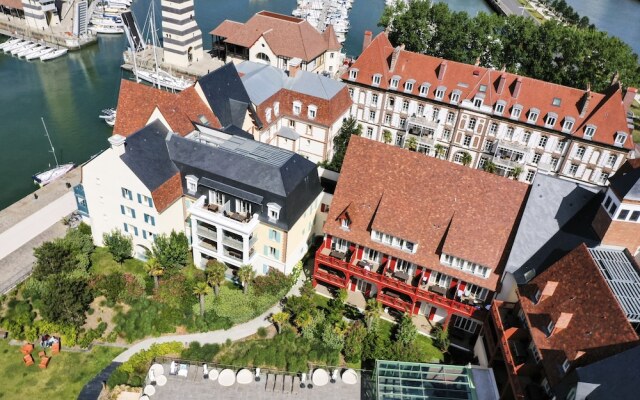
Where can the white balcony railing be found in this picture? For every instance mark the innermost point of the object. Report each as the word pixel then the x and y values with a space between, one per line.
pixel 201 211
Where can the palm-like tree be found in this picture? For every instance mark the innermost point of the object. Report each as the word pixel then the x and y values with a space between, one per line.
pixel 412 143
pixel 246 275
pixel 466 159
pixel 439 150
pixel 154 269
pixel 490 167
pixel 201 289
pixel 303 320
pixel 372 312
pixel 516 172
pixel 215 274
pixel 386 136
pixel 279 319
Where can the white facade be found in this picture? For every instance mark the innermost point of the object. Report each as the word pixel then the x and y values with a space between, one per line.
pixel 181 36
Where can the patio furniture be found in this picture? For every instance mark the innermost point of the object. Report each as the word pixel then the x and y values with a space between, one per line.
pixel 257 374
pixel 334 375
pixel 44 362
pixel 183 370
pixel 438 289
pixel 338 254
pixel 173 368
pixel 213 374
pixel 28 360
pixel 42 354
pixel 244 376
pixel 213 207
pixel 27 348
pixel 205 371
pixel 402 275
pixel 320 377
pixel 350 377
pixel 55 348
pixel 227 377
pixel 149 390
pixel 161 380
pixel 364 264
pixel 144 397
pixel 4 334
pixel 157 369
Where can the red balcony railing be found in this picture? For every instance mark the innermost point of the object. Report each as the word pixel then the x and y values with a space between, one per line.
pixel 395 302
pixel 512 370
pixel 413 291
pixel 331 278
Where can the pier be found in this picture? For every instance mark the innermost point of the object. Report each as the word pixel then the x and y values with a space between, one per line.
pixel 145 59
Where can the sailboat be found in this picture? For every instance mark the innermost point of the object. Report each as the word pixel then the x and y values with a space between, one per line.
pixel 46 177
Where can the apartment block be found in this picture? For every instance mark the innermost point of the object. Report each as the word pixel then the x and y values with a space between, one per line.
pixel 418 234
pixel 488 119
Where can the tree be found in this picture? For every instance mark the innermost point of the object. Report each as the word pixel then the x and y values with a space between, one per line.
pixel 353 342
pixel 120 245
pixel 246 275
pixel 516 172
pixel 303 320
pixel 406 331
pixel 154 269
pixel 439 150
pixel 412 143
pixel 387 136
pixel 336 306
pixel 490 167
pixel 350 126
pixel 66 300
pixel 172 252
pixel 201 289
pixel 53 258
pixel 466 159
pixel 441 338
pixel 372 313
pixel 215 271
pixel 279 319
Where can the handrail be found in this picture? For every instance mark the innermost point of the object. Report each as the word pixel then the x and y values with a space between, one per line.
pixel 506 350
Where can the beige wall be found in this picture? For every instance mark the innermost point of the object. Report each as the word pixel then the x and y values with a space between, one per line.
pixel 300 233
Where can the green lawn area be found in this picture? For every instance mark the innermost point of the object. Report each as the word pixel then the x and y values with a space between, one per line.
pixel 635 108
pixel 102 263
pixel 425 342
pixel 63 379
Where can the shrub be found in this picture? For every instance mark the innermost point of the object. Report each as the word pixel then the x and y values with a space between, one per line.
pixel 353 342
pixel 136 380
pixel 272 283
pixel 68 334
pixel 111 286
pixel 117 377
pixel 84 229
pixel 262 332
pixel 198 352
pixel 140 362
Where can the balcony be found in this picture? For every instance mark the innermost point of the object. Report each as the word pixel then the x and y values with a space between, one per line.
pixel 328 277
pixel 334 260
pixel 206 232
pixel 231 253
pixel 217 215
pixel 394 301
pixel 208 245
pixel 421 122
pixel 233 241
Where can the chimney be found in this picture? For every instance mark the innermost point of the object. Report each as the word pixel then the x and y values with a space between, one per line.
pixel 477 64
pixel 501 83
pixel 629 95
pixel 586 99
pixel 516 88
pixel 293 70
pixel 615 78
pixel 548 290
pixel 118 144
pixel 395 56
pixel 367 40
pixel 563 322
pixel 442 70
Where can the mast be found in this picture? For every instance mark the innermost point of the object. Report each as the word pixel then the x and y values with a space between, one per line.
pixel 154 38
pixel 46 133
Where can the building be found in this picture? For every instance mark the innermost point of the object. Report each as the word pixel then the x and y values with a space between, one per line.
pixel 484 118
pixel 279 40
pixel 618 219
pixel 300 111
pixel 240 202
pixel 575 313
pixel 182 39
pixel 419 234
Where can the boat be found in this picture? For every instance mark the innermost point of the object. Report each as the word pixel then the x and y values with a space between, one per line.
pixel 13 45
pixel 163 79
pixel 111 121
pixel 39 53
pixel 50 175
pixel 110 22
pixel 106 29
pixel 28 51
pixel 54 54
pixel 25 46
pixel 9 43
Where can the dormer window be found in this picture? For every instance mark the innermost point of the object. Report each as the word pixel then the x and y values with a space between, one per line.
pixel 273 210
pixel 568 124
pixel 353 74
pixel 267 113
pixel 408 85
pixel 477 101
pixel 550 327
pixel 565 365
pixel 589 131
pixel 312 111
pixel 394 82
pixel 551 120
pixel 533 116
pixel 500 107
pixel 424 89
pixel 297 108
pixel 536 296
pixel 455 96
pixel 192 183
pixel 344 223
pixel 516 111
pixel 440 92
pixel 621 137
pixel 376 80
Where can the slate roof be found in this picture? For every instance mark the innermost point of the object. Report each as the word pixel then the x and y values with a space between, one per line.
pixel 605 111
pixel 443 207
pixel 626 182
pixel 286 36
pixel 598 327
pixel 226 95
pixel 557 217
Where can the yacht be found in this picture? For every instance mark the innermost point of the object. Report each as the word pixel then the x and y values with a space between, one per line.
pixel 163 79
pixel 37 54
pixel 54 54
pixel 50 175
pixel 9 43
pixel 25 46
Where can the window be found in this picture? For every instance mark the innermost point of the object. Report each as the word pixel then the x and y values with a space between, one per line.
pixel 488 145
pixel 344 223
pixel 634 216
pixel 394 82
pixel 464 324
pixel 493 128
pixel 128 211
pixel 622 215
pixel 545 386
pixel 372 116
pixel 536 296
pixel 149 219
pixel 216 198
pixel 543 141
pixel 525 137
pixel 421 110
pixel 424 89
pixel 440 92
pixel 477 292
pixel 276 105
pixel 267 113
pixel 560 146
pixel 450 117
pixel 192 186
pixel 369 133
pixel 403 123
pixel 550 327
pixel 472 124
pixel 611 160
pixel 580 152
pixel 568 124
pixel 509 134
pixel 536 158
pixel 312 111
pixel 455 96
pixel 274 235
pixel 127 194
pixel 551 119
pixel 435 114
pixel 535 352
pixel 376 80
pixel 371 255
pixel 530 175
pixel 477 101
pixel 243 206
pixel 374 99
pixel 467 140
pixel 554 162
pixel 350 94
pixel 405 105
pixel 607 202
pixel 353 74
pixel 130 229
pixel 297 108
pixel 387 119
pixel 408 86
pixel 392 102
pixel 620 139
pixel 446 134
pixel 572 394
pixel 500 107
pixel 273 252
pixel 457 158
pixel 516 111
pixel 533 116
pixel 273 210
pixel 613 208
pixel 573 169
pixel 589 131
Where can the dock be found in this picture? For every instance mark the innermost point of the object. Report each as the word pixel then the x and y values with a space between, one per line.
pixel 145 59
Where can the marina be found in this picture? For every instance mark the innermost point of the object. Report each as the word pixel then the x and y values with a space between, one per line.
pixel 322 13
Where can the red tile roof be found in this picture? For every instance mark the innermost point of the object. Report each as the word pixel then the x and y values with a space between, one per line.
pixel 167 193
pixel 605 111
pixel 442 207
pixel 598 326
pixel 15 4
pixel 137 102
pixel 286 36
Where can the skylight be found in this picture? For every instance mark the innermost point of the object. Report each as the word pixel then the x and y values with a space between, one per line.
pixel 556 101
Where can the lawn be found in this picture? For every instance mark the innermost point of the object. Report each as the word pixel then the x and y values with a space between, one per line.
pixel 102 264
pixel 63 379
pixel 635 108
